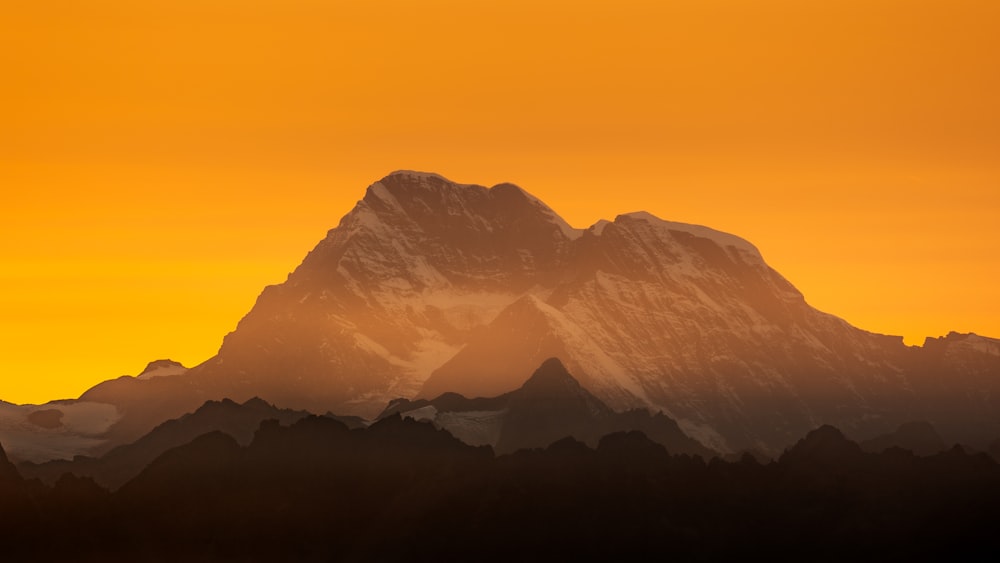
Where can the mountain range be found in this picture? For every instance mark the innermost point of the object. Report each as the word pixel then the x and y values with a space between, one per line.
pixel 550 406
pixel 400 489
pixel 429 287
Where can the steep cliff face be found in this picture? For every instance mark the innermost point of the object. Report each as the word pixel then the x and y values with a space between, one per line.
pixel 428 286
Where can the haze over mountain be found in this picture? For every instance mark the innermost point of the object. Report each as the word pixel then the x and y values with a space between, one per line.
pixel 428 286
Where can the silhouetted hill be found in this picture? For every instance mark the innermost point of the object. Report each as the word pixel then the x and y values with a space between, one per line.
pixel 824 445
pixel 121 464
pixel 401 489
pixel 549 406
pixel 19 519
pixel 918 437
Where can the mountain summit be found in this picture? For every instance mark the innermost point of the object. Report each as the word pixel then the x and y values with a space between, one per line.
pixel 428 286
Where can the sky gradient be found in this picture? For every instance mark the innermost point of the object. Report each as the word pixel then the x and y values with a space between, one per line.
pixel 162 161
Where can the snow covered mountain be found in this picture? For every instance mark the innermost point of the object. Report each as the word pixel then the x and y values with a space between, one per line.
pixel 429 286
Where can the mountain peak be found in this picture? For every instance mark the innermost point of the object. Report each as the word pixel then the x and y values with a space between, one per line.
pixel 408 183
pixel 161 368
pixel 416 175
pixel 552 371
pixel 553 382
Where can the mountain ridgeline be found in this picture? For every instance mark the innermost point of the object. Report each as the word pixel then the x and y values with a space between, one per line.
pixel 551 405
pixel 428 287
pixel 400 489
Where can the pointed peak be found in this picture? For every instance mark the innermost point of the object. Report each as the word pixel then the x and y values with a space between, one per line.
pixel 551 369
pixel 552 381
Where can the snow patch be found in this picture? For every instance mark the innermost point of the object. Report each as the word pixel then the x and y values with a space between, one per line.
pixel 82 427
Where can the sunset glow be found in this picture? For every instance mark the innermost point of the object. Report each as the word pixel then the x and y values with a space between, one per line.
pixel 163 161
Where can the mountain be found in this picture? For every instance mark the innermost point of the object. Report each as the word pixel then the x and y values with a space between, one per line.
pixel 549 406
pixel 122 463
pixel 404 490
pixel 428 286
pixel 918 437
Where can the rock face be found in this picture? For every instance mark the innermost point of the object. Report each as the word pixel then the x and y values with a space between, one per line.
pixel 428 286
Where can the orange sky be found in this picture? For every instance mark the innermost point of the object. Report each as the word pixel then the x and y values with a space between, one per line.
pixel 161 161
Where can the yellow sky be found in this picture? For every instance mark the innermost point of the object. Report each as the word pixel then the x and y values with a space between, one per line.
pixel 161 161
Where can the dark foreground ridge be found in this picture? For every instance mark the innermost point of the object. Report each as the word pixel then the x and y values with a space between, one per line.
pixel 121 464
pixel 403 490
